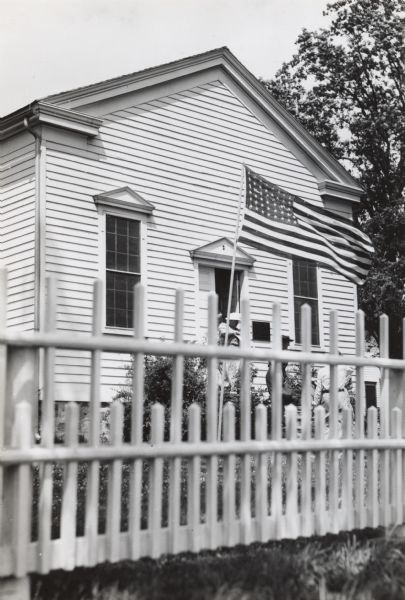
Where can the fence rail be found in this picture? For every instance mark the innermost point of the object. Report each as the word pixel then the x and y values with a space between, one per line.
pixel 79 504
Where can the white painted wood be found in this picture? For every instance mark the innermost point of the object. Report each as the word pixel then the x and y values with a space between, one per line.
pixel 156 483
pixel 262 477
pixel 359 424
pixel 212 421
pixel 292 475
pixel 137 423
pixel 113 516
pixel 194 481
pixel 229 491
pixel 17 183
pixel 347 474
pixel 69 499
pixel 306 423
pixel 245 428
pixel 373 515
pixel 22 490
pixel 320 475
pixel 276 428
pixel 334 429
pixel 385 420
pixel 397 469
pixel 176 421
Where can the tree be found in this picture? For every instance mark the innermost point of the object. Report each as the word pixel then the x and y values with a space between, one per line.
pixel 346 86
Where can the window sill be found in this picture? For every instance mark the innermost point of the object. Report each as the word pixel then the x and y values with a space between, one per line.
pixel 298 348
pixel 118 331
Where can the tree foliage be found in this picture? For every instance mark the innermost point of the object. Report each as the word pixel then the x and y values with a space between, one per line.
pixel 345 84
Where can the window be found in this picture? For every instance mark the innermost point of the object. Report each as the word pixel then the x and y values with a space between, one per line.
pixel 261 331
pixel 123 269
pixel 305 292
pixel 222 282
pixel 371 393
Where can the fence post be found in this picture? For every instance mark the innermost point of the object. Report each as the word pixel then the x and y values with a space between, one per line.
pixel 20 386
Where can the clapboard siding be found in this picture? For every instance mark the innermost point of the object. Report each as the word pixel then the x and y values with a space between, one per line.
pixel 339 294
pixel 183 154
pixel 17 229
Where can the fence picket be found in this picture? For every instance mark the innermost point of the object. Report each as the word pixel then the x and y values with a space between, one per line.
pixel 137 407
pixel 307 521
pixel 69 500
pixel 384 421
pixel 361 513
pixel 245 430
pixel 372 472
pixel 334 429
pixel 292 475
pixel 47 436
pixel 229 477
pixel 397 466
pixel 93 469
pixel 347 473
pixel 320 474
pixel 276 428
pixel 261 480
pixel 194 483
pixel 114 486
pixel 156 483
pixel 212 417
pixel 176 418
pixel 22 490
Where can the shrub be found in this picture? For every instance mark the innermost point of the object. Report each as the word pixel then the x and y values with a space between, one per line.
pixel 158 381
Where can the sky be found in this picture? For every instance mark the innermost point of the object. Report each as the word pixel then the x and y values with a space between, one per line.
pixel 49 46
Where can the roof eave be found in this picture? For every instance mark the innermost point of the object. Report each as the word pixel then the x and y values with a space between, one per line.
pixel 43 113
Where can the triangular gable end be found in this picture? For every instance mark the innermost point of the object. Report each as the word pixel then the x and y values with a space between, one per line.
pixel 219 253
pixel 124 197
pixel 333 179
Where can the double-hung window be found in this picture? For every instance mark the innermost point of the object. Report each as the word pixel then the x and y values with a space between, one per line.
pixel 123 269
pixel 306 292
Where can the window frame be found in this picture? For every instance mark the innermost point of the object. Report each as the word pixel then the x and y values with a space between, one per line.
pixel 129 214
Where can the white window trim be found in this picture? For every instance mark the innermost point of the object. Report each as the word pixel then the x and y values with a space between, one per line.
pixel 134 215
pixel 291 314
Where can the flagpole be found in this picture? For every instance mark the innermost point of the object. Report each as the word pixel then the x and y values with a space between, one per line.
pixel 235 245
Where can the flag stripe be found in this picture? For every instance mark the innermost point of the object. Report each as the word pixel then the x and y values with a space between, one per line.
pixel 296 246
pixel 301 236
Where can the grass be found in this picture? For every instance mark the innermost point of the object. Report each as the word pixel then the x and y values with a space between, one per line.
pixel 365 565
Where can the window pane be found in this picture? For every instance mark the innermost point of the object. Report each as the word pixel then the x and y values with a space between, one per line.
pixel 110 223
pixel 261 331
pixel 134 263
pixel 122 243
pixel 304 276
pixel 122 262
pixel 122 226
pixel 119 299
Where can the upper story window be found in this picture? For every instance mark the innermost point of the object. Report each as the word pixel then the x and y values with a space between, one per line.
pixel 123 269
pixel 305 292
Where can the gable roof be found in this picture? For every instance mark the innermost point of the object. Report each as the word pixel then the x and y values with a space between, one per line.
pixel 335 180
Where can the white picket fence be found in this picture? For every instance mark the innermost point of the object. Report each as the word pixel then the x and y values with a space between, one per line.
pixel 174 496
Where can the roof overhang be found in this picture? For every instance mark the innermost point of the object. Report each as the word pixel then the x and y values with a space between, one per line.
pixel 43 113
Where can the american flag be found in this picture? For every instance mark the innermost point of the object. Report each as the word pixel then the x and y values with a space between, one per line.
pixel 279 222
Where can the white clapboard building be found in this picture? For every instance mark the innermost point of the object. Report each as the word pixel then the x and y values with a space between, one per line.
pixel 138 178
